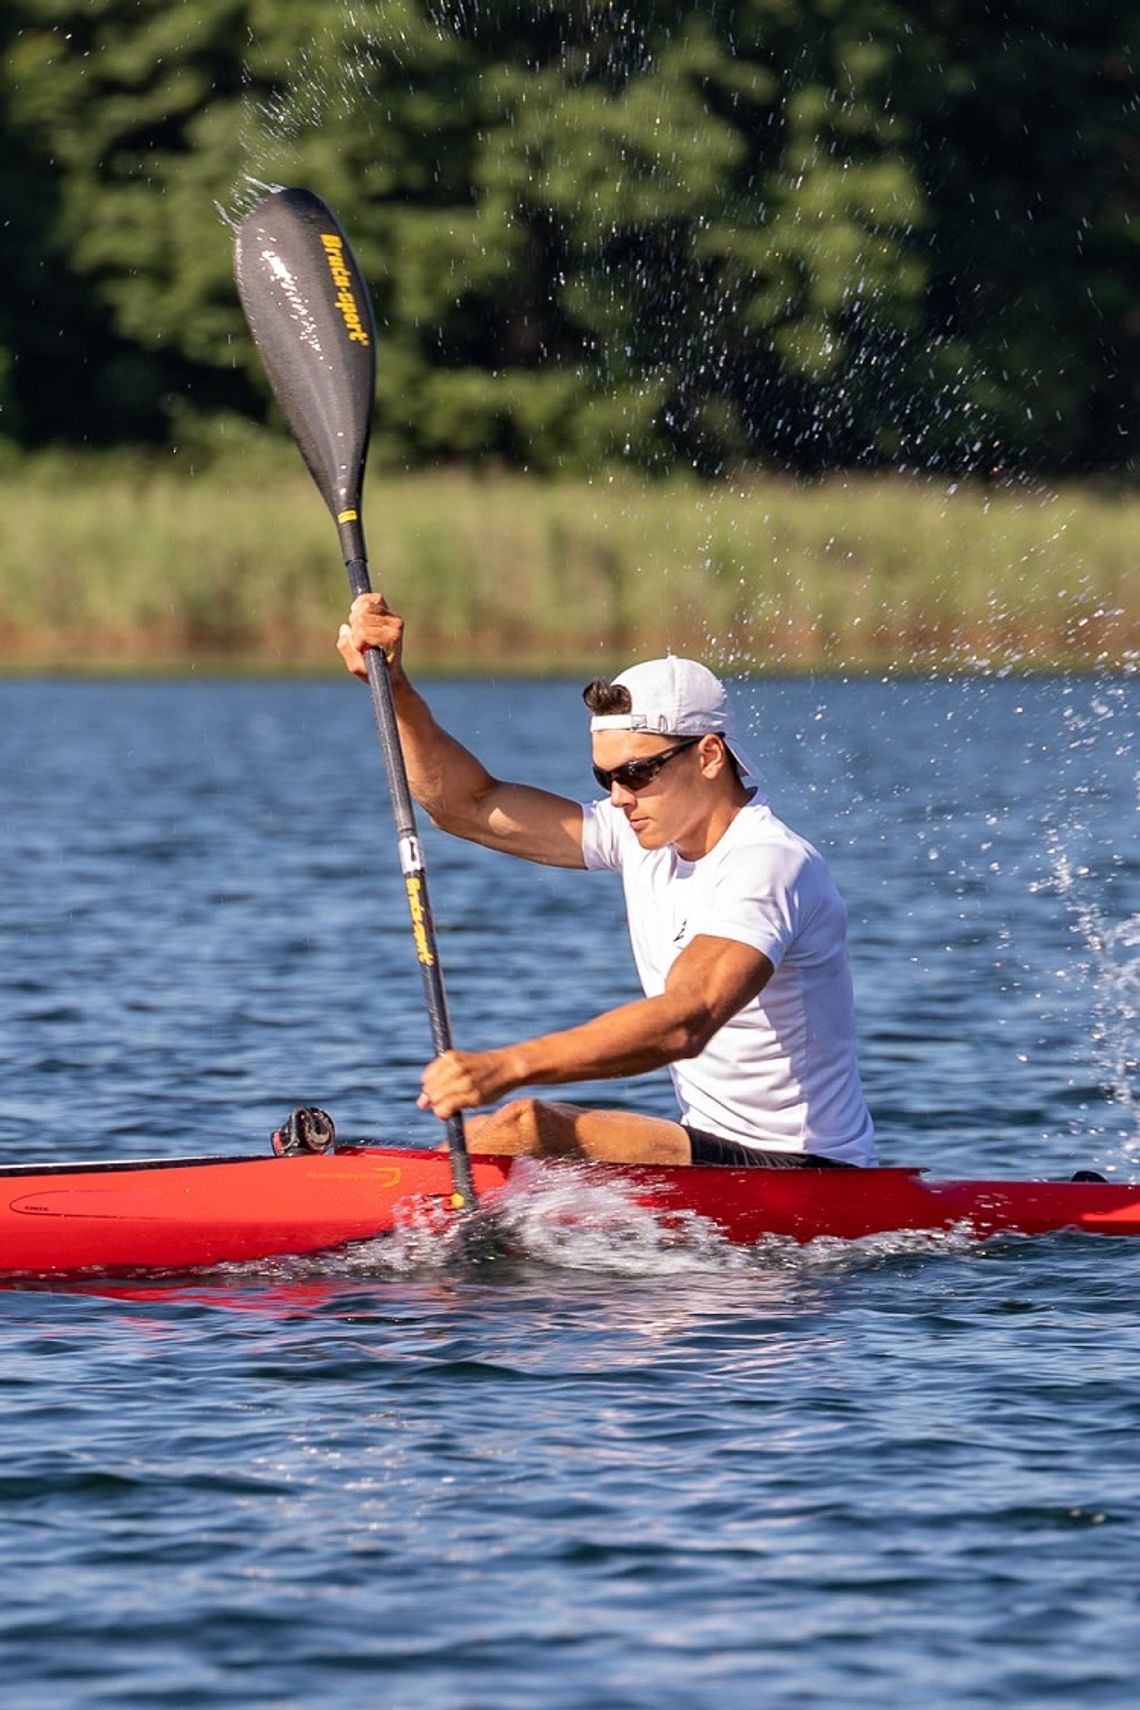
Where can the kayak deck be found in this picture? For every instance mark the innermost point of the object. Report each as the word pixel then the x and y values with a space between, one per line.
pixel 191 1213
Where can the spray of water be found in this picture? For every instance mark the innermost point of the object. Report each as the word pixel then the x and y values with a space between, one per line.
pixel 1108 966
pixel 1085 871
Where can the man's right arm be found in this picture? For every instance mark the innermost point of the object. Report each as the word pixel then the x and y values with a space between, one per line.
pixel 452 786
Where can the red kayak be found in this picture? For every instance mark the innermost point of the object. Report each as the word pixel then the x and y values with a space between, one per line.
pixel 189 1213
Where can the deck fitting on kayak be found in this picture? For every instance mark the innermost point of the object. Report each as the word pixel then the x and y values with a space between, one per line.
pixel 308 1129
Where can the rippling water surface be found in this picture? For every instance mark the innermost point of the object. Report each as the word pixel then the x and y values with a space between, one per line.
pixel 605 1469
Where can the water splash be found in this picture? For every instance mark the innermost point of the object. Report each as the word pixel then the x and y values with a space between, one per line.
pixel 1086 874
pixel 566 1218
pixel 1110 965
pixel 246 194
pixel 562 1218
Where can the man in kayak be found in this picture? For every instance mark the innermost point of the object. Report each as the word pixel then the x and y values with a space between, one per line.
pixel 738 932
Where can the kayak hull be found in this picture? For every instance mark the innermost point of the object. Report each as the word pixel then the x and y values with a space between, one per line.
pixel 192 1213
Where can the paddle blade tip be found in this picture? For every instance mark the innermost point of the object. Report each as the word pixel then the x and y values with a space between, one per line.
pixel 310 315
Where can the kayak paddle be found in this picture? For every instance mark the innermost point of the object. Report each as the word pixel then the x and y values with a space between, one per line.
pixel 310 315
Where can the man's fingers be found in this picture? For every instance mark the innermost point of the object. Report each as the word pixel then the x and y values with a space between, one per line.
pixel 371 624
pixel 350 653
pixel 441 1106
pixel 447 1086
pixel 464 1080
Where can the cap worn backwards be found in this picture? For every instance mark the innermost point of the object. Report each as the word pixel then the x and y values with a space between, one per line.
pixel 676 697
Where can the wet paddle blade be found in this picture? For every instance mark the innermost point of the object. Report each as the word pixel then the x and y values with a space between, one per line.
pixel 310 315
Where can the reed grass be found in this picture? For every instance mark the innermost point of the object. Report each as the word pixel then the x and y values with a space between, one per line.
pixel 132 566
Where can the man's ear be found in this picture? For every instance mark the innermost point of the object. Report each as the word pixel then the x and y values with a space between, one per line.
pixel 714 755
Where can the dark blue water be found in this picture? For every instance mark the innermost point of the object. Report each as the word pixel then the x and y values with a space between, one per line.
pixel 605 1471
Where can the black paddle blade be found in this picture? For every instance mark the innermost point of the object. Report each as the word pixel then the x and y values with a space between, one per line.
pixel 310 314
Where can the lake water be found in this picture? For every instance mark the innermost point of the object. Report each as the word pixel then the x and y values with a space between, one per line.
pixel 590 1474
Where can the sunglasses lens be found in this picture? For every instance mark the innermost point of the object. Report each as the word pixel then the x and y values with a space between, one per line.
pixel 636 774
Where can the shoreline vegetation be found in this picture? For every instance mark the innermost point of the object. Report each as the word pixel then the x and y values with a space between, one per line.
pixel 114 565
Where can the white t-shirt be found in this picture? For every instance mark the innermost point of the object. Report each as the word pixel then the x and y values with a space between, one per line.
pixel 782 1074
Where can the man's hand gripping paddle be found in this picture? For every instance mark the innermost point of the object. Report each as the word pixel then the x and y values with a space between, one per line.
pixel 310 315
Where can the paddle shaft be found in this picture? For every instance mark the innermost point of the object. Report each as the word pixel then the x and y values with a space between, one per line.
pixel 413 870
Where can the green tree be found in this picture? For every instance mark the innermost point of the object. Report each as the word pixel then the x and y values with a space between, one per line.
pixel 108 102
pixel 1027 127
pixel 781 231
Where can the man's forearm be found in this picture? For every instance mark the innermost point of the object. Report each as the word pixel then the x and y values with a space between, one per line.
pixel 708 983
pixel 647 1034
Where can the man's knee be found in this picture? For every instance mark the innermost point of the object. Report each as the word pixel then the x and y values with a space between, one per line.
pixel 520 1121
pixel 513 1128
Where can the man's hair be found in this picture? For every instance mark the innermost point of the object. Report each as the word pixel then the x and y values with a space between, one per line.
pixel 602 698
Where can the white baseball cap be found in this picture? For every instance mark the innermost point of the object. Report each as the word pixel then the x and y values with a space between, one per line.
pixel 676 697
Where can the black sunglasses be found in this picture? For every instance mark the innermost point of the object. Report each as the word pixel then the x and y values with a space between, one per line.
pixel 637 774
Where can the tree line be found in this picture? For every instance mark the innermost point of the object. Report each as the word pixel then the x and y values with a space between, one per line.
pixel 791 234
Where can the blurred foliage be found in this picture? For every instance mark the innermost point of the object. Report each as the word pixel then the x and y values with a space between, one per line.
pixel 796 234
pixel 849 572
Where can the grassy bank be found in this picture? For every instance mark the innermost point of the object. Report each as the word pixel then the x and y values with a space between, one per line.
pixel 116 566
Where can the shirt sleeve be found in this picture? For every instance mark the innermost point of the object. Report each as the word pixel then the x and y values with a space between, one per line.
pixel 759 898
pixel 604 830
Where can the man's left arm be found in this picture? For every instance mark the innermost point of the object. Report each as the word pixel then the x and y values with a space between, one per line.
pixel 709 982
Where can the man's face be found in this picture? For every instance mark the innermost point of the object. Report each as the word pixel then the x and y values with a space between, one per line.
pixel 660 807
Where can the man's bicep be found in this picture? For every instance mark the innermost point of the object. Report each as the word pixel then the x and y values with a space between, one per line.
pixel 532 824
pixel 724 972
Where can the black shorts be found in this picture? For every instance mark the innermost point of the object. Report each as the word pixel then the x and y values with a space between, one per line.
pixel 714 1149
